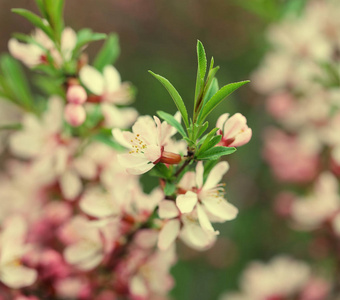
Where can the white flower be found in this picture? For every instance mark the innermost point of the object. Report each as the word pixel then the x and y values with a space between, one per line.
pixel 207 198
pixel 12 248
pixel 147 143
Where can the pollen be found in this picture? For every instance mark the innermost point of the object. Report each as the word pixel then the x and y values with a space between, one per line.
pixel 138 144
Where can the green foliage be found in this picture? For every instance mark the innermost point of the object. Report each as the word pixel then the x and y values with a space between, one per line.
pixel 86 36
pixel 175 96
pixel 35 20
pixel 13 83
pixel 219 97
pixel 108 53
pixel 215 153
pixel 206 139
pixel 54 11
pixel 162 171
pixel 169 188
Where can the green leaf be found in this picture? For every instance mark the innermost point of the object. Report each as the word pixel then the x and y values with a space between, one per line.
pixel 201 70
pixel 173 122
pixel 202 59
pixel 35 20
pixel 16 81
pixel 175 96
pixel 207 139
pixel 41 6
pixel 212 90
pixel 108 53
pixel 160 170
pixel 169 188
pixel 219 97
pixel 54 10
pixel 86 36
pixel 202 129
pixel 215 153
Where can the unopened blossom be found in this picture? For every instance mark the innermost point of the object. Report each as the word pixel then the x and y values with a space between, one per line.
pixel 76 94
pixel 12 248
pixel 74 114
pixel 147 143
pixel 234 130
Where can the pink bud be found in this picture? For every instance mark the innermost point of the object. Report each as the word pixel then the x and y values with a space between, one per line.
pixel 74 114
pixel 76 94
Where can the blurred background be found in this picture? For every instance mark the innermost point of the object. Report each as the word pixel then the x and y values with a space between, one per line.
pixel 161 36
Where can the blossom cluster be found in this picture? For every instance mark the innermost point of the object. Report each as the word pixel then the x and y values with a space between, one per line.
pixel 75 222
pixel 300 76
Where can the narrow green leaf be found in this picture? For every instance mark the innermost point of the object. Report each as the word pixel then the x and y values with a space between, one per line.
pixel 202 129
pixel 215 153
pixel 175 96
pixel 213 89
pixel 207 138
pixel 35 20
pixel 173 122
pixel 40 4
pixel 202 59
pixel 108 53
pixel 220 96
pixel 86 36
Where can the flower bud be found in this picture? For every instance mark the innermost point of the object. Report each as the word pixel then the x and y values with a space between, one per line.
pixel 76 94
pixel 74 114
pixel 170 158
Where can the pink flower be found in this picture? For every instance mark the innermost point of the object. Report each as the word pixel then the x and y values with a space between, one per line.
pixel 234 130
pixel 147 143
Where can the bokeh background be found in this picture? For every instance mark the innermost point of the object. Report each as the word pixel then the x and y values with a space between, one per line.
pixel 161 36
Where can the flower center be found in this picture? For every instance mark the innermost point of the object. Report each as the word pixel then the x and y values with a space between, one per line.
pixel 138 145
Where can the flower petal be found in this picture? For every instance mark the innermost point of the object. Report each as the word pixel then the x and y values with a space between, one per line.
pixel 199 174
pixel 70 185
pixel 167 209
pixel 92 79
pixel 186 202
pixel 111 78
pixel 216 174
pixel 204 220
pixel 220 208
pixel 168 234
pixel 17 276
